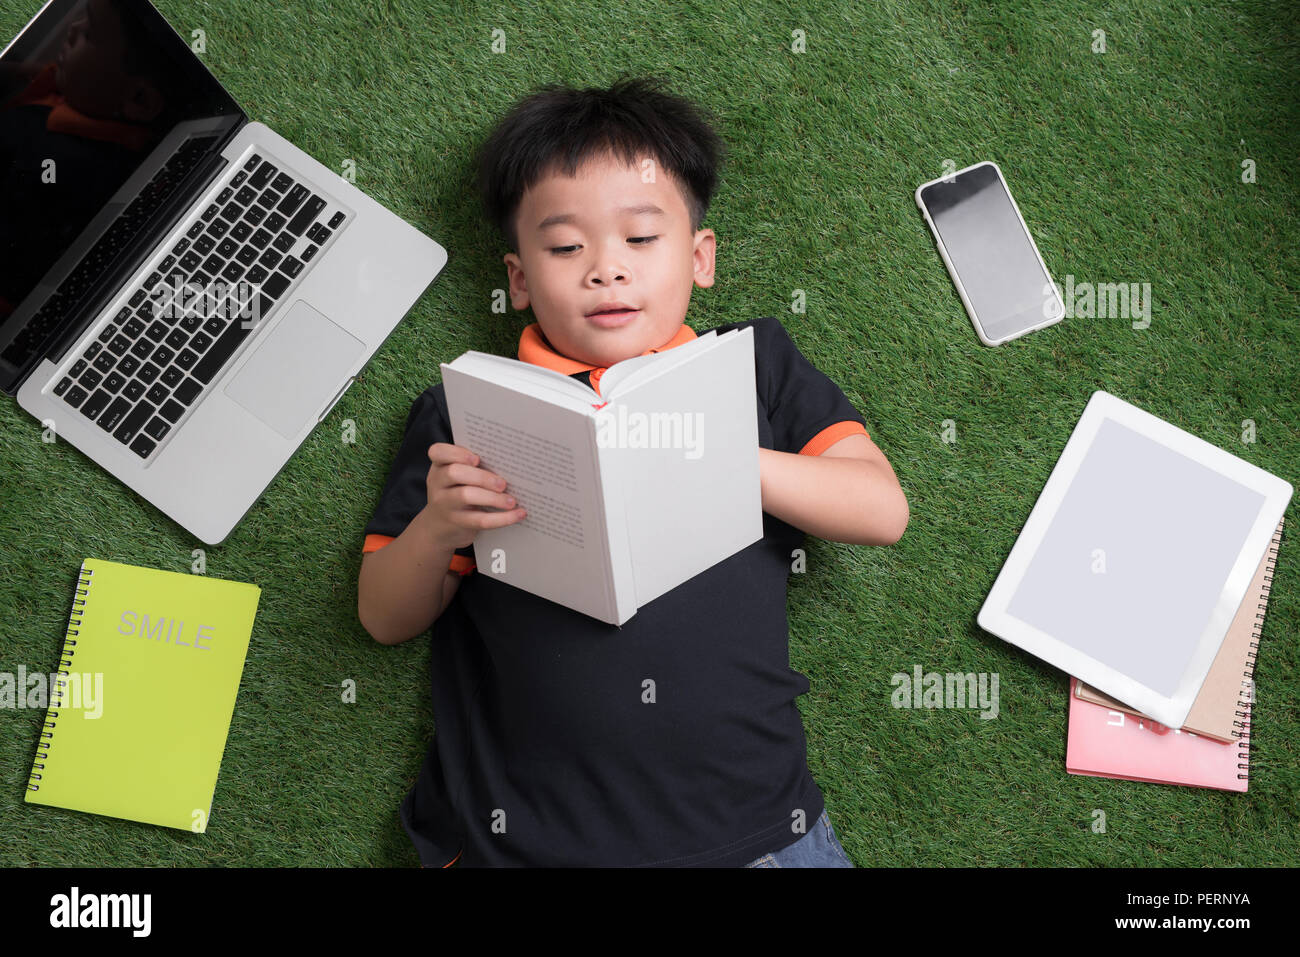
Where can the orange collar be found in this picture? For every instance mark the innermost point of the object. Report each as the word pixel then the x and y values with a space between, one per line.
pixel 65 119
pixel 534 348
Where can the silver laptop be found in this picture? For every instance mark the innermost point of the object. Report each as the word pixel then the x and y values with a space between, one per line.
pixel 184 294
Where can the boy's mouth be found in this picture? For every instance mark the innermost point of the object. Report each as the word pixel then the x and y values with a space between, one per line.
pixel 613 314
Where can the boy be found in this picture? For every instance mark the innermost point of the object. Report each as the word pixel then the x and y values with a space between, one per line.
pixel 561 740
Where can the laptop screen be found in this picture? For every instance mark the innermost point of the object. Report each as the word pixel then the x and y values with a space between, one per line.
pixel 107 119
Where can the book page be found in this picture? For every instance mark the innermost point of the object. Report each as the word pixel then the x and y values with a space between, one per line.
pixel 546 454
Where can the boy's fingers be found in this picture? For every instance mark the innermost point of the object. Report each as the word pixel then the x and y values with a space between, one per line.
pixel 444 453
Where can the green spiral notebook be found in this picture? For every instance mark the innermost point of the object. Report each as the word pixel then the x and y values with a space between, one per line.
pixel 145 691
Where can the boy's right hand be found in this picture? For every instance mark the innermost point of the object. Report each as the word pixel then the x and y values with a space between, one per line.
pixel 455 486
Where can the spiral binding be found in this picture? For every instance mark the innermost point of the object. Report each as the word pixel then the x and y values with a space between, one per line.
pixel 1244 703
pixel 65 666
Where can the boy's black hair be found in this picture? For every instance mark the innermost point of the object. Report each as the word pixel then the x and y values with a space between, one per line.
pixel 561 127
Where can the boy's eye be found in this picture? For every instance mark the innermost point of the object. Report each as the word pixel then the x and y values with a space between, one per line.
pixel 565 250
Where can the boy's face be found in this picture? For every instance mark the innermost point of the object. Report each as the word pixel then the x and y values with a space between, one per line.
pixel 583 241
pixel 89 70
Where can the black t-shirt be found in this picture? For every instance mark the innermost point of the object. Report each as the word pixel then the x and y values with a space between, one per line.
pixel 674 740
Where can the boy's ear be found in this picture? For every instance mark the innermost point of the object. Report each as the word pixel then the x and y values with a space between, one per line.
pixel 518 283
pixel 706 245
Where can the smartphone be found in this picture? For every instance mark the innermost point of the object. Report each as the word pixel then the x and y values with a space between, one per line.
pixel 993 261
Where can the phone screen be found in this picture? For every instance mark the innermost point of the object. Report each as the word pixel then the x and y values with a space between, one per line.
pixel 991 252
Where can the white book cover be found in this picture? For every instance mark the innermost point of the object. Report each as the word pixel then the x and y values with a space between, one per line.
pixel 629 492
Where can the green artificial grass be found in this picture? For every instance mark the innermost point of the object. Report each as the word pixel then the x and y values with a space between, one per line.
pixel 1127 166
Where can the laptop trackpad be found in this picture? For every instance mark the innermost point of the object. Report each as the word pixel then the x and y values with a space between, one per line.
pixel 299 367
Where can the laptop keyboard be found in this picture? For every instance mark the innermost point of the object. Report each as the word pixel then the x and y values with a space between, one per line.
pixel 147 366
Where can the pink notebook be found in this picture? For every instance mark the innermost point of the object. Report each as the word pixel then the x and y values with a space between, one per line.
pixel 1112 744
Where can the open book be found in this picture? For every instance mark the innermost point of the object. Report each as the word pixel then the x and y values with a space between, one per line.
pixel 628 492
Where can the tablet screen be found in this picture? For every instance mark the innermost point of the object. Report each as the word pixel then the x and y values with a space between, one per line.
pixel 1134 561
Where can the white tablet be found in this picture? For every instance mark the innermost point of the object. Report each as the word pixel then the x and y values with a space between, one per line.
pixel 1135 558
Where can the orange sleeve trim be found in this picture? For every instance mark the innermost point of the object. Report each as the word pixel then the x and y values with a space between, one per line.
pixel 454 859
pixel 461 564
pixel 828 436
pixel 375 542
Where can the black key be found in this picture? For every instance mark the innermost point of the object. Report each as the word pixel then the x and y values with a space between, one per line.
pixel 181 246
pixel 190 322
pixel 240 230
pixel 105 361
pixel 78 367
pixel 270 259
pixel 200 278
pixel 247 255
pixel 115 414
pixel 297 195
pixel 221 350
pixel 166 264
pixel 239 178
pixel 148 372
pixel 308 253
pixel 307 215
pixel 232 272
pixel 186 359
pixel 226 248
pixel 225 194
pixel 158 428
pixel 172 411
pixel 64 384
pixel 93 351
pixel 276 285
pixel 107 333
pixel 76 395
pixel 134 389
pixel 284 242
pixel 218 228
pixel 157 394
pixel 281 182
pixel 291 266
pixel 260 239
pixel 156 332
pixel 254 215
pixel 133 328
pixel 133 422
pixel 142 446
pixel 336 219
pixel 122 315
pixel 119 345
pixel 210 213
pixel 245 196
pixel 139 297
pixel 256 274
pixel 187 391
pixel 176 339
pixel 194 230
pixel 95 404
pixel 253 162
pixel 142 348
pixel 214 325
pixel 213 264
pixel 204 245
pixel 90 378
pixel 127 365
pixel 200 342
pixel 268 199
pixel 162 355
pixel 114 382
pixel 152 279
pixel 263 175
pixel 318 234
pixel 232 212
pixel 171 375
pixel 275 222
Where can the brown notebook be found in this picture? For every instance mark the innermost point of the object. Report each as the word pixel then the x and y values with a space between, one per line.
pixel 1220 710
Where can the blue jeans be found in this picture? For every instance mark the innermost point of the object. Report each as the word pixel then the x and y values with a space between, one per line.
pixel 818 848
